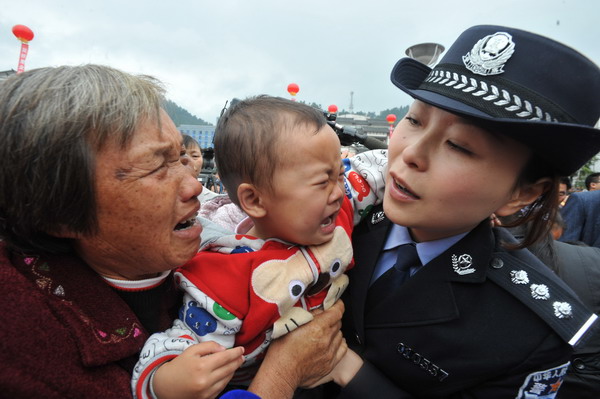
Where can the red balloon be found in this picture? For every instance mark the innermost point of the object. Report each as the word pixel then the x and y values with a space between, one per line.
pixel 332 108
pixel 391 118
pixel 22 33
pixel 293 89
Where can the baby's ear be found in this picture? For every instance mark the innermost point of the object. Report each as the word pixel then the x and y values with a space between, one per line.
pixel 525 195
pixel 250 200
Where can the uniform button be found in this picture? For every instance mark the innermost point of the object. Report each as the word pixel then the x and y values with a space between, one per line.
pixel 358 340
pixel 578 364
pixel 497 263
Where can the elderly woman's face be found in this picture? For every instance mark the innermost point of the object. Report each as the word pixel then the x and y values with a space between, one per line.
pixel 147 204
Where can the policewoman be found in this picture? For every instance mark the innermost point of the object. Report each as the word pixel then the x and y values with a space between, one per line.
pixel 440 304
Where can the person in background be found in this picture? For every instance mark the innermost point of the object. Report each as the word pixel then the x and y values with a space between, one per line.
pixel 581 214
pixel 287 257
pixel 592 181
pixel 564 189
pixel 217 185
pixel 97 207
pixel 440 304
pixel 194 152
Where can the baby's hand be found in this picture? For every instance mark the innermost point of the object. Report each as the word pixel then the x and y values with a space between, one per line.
pixel 201 371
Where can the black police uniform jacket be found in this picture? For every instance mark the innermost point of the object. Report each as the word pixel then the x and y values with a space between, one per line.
pixel 461 330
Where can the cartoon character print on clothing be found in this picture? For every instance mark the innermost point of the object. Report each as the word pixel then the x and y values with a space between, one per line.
pixel 198 319
pixel 366 182
pixel 309 271
pixel 355 186
pixel 203 319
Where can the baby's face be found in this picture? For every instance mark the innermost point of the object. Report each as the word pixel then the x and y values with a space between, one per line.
pixel 307 188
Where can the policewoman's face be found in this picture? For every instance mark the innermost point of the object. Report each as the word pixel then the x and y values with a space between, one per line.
pixel 446 175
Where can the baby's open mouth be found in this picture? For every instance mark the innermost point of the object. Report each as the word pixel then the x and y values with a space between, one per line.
pixel 327 221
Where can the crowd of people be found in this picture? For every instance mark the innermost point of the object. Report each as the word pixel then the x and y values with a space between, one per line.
pixel 316 273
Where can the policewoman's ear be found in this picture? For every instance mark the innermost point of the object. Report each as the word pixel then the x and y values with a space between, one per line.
pixel 249 197
pixel 524 195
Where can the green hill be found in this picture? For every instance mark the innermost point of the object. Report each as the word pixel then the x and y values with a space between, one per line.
pixel 181 116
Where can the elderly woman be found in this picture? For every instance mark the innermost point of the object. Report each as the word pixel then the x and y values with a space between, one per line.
pixel 96 208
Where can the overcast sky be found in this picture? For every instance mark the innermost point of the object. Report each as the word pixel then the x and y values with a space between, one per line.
pixel 207 52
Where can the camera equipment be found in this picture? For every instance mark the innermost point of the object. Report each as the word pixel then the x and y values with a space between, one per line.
pixel 208 155
pixel 207 175
pixel 349 135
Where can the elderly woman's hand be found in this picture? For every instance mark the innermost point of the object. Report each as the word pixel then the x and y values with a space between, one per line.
pixel 302 357
pixel 202 371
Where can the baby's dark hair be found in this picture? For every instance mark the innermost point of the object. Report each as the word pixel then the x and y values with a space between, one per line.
pixel 250 138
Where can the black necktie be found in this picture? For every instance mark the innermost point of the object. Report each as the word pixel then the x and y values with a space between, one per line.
pixel 395 276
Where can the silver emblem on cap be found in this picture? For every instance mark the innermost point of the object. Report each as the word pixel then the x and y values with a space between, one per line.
pixel 562 310
pixel 540 291
pixel 488 55
pixel 462 264
pixel 377 217
pixel 519 277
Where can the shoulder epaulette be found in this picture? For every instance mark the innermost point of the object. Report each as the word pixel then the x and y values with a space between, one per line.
pixel 536 286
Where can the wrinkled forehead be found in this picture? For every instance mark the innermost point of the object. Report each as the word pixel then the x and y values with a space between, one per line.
pixel 156 131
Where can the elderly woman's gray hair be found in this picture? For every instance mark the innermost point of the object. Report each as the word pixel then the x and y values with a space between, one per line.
pixel 52 123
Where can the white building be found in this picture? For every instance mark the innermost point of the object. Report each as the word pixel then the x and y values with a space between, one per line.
pixel 203 134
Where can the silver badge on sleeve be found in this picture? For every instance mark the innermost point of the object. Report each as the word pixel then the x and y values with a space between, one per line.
pixel 540 291
pixel 519 277
pixel 562 310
